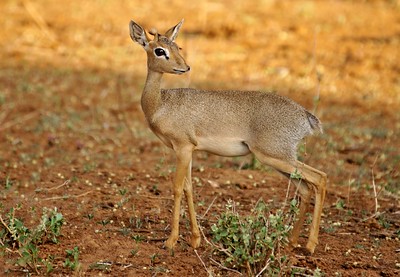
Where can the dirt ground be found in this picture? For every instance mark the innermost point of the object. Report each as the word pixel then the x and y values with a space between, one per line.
pixel 73 136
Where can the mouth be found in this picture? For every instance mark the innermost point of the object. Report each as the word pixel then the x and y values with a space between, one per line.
pixel 180 71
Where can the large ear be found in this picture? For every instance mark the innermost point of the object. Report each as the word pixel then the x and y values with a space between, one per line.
pixel 173 32
pixel 138 34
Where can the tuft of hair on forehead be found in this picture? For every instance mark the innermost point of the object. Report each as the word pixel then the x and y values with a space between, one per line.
pixel 153 31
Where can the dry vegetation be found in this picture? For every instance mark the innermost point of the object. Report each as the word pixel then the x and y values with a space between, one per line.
pixel 72 134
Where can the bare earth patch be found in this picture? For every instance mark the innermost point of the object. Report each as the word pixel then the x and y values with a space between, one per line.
pixel 73 136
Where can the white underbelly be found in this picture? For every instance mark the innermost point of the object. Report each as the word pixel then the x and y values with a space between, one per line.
pixel 228 147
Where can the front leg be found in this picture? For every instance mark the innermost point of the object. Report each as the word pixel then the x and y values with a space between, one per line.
pixel 188 188
pixel 184 158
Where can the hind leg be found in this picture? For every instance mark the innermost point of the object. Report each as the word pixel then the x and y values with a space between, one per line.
pixel 316 179
pixel 305 195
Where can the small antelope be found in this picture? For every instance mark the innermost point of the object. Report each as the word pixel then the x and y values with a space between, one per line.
pixel 226 123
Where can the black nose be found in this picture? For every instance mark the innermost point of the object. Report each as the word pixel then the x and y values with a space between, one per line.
pixel 188 68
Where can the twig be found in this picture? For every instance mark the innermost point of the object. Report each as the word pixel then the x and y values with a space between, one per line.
pixel 372 216
pixel 57 187
pixel 204 236
pixel 127 266
pixel 158 197
pixel 209 207
pixel 18 120
pixel 4 224
pixel 287 193
pixel 137 230
pixel 156 239
pixel 304 269
pixel 224 267
pixel 146 230
pixel 8 229
pixel 67 196
pixel 375 195
pixel 348 192
pixel 374 185
pixel 213 244
pixel 204 265
pixel 264 268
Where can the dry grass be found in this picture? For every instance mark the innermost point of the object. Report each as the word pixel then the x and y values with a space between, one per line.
pixel 228 44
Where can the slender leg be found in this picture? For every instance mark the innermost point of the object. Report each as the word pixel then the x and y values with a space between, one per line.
pixel 313 177
pixel 195 240
pixel 305 195
pixel 184 157
pixel 319 186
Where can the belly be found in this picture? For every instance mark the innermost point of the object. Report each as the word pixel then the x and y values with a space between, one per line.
pixel 227 147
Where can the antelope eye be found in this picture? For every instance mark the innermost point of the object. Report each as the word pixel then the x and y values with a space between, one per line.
pixel 160 52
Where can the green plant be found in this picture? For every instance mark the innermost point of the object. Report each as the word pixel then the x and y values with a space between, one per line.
pixel 138 238
pixel 329 229
pixel 51 224
pixel 14 235
pixel 340 204
pixel 89 216
pixel 153 258
pixel 154 189
pixel 160 164
pixel 104 222
pixel 74 254
pixel 8 183
pixel 318 272
pixel 123 191
pixel 136 222
pixel 253 163
pixel 296 175
pixel 125 231
pixel 122 202
pixel 134 251
pixel 384 222
pixel 89 167
pixel 252 243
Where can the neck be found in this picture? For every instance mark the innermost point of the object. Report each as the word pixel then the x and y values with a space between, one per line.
pixel 151 96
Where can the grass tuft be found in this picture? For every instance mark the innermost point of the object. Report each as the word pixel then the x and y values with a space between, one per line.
pixel 253 244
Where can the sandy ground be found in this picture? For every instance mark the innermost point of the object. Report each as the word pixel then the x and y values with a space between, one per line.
pixel 73 136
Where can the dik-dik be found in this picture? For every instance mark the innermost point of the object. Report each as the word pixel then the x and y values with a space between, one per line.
pixel 226 123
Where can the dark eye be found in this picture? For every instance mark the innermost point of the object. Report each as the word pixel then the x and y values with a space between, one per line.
pixel 160 52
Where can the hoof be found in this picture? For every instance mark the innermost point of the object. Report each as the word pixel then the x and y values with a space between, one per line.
pixel 311 246
pixel 195 242
pixel 293 243
pixel 302 251
pixel 170 243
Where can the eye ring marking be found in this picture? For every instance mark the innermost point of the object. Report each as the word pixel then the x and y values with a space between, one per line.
pixel 159 52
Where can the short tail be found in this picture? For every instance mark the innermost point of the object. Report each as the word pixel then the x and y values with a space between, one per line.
pixel 315 124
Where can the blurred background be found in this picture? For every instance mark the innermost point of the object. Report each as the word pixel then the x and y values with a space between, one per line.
pixel 263 44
